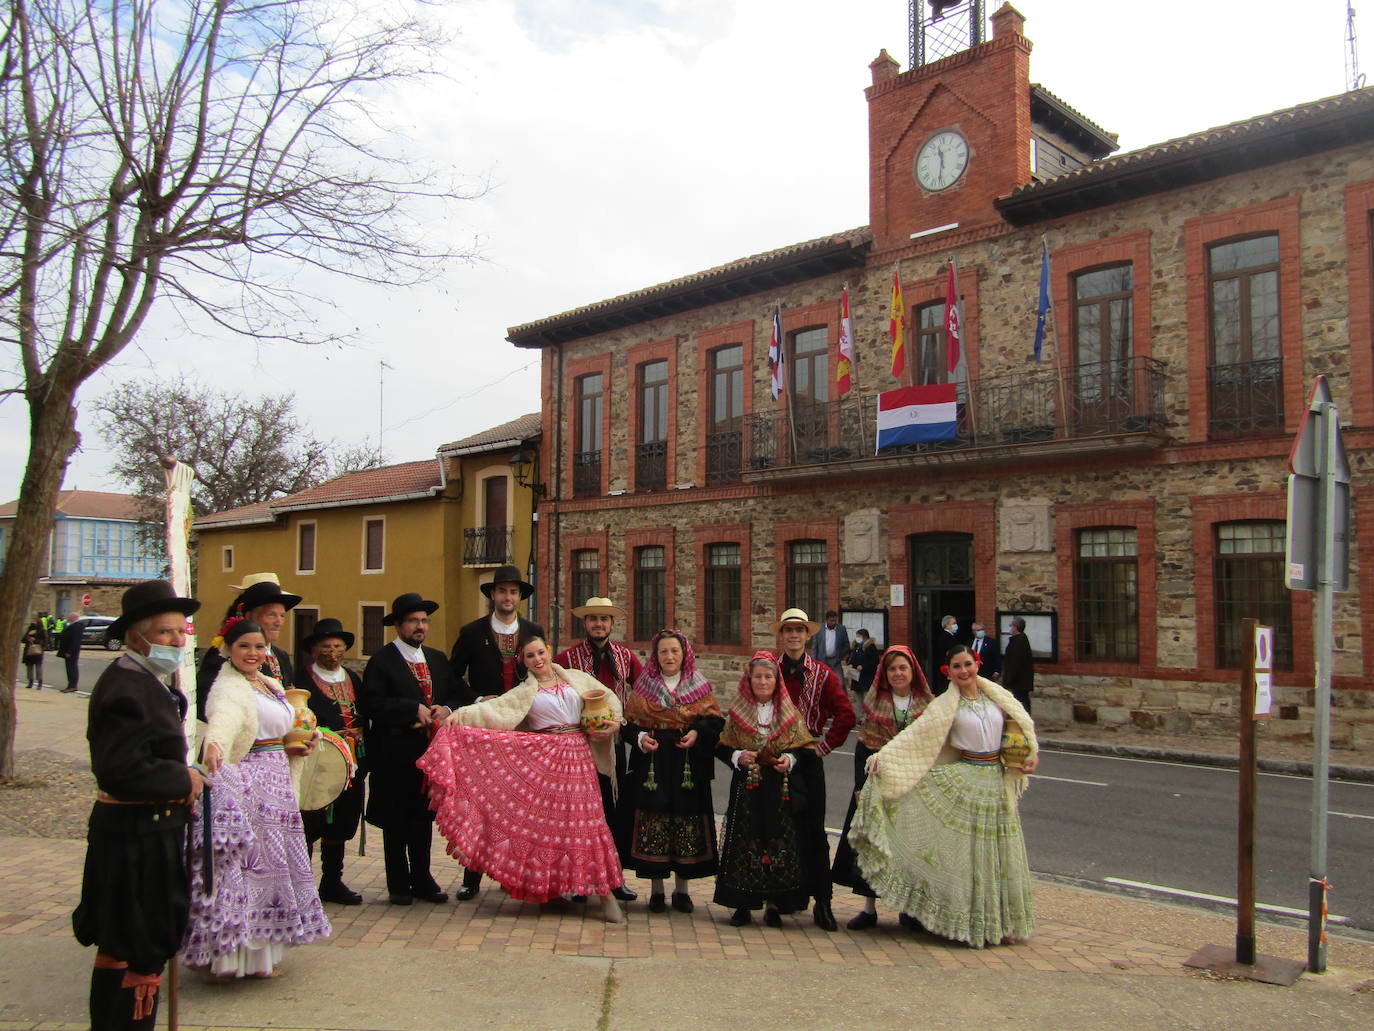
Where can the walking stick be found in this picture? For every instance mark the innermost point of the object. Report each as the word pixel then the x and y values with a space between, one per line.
pixel 362 819
pixel 172 995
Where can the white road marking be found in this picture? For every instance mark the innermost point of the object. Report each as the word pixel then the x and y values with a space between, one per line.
pixel 1145 886
pixel 1070 780
pixel 1351 816
pixel 1198 766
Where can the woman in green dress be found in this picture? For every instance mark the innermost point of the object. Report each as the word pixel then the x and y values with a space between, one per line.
pixel 936 831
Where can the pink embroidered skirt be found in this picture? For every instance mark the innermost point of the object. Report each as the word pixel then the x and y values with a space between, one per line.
pixel 524 809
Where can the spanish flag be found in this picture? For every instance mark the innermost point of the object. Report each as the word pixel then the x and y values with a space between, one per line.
pixel 896 325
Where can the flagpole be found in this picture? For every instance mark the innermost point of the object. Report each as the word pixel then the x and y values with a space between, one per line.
pixel 787 386
pixel 1059 370
pixel 963 350
pixel 853 367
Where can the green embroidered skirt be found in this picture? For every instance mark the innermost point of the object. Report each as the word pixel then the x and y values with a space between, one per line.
pixel 950 853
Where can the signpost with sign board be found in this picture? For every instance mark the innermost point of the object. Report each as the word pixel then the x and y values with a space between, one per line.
pixel 1318 560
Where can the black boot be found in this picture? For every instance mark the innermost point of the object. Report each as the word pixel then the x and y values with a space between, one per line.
pixel 332 887
pixel 397 866
pixel 472 880
pixel 107 998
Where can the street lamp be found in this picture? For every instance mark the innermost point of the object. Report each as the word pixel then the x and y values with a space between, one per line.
pixel 522 464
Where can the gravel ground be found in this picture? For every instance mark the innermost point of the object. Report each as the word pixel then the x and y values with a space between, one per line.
pixel 50 796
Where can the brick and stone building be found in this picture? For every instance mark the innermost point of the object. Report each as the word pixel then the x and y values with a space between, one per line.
pixel 1127 491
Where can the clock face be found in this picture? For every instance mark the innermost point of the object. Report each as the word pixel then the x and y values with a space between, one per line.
pixel 942 160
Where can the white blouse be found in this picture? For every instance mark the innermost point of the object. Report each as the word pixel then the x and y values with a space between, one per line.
pixel 553 707
pixel 275 716
pixel 977 725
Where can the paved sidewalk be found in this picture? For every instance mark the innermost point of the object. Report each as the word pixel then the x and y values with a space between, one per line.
pixel 495 962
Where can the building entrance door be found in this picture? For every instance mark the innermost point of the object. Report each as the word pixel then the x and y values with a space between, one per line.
pixel 941 585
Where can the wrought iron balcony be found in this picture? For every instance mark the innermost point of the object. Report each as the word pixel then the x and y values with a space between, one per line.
pixel 651 465
pixel 723 455
pixel 487 545
pixel 586 474
pixel 1246 397
pixel 1043 410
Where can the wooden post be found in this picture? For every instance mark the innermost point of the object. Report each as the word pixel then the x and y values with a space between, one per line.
pixel 1245 865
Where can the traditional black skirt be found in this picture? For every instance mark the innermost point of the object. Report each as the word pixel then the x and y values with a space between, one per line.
pixel 134 895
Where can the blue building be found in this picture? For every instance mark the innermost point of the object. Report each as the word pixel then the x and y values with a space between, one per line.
pixel 95 550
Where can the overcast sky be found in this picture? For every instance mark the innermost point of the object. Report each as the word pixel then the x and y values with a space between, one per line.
pixel 632 141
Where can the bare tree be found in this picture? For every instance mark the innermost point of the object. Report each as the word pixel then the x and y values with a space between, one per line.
pixel 203 152
pixel 244 449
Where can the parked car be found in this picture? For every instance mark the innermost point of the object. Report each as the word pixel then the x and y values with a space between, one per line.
pixel 96 630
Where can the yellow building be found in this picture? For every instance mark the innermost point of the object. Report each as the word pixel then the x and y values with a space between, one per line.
pixel 438 526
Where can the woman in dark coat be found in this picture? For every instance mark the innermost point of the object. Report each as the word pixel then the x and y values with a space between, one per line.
pixel 672 724
pixel 764 740
pixel 899 695
pixel 34 641
pixel 334 701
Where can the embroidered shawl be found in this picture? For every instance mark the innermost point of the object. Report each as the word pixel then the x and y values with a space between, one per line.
pixel 809 698
pixel 880 711
pixel 650 704
pixel 908 757
pixel 742 721
pixel 508 711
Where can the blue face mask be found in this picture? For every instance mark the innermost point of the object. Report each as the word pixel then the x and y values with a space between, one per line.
pixel 954 628
pixel 164 658
pixel 979 634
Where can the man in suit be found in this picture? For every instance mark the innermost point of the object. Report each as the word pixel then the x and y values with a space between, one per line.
pixel 831 643
pixel 947 639
pixel 1018 666
pixel 69 649
pixel 262 600
pixel 487 655
pixel 987 652
pixel 407 692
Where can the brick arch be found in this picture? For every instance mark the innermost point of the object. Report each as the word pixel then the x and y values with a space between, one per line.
pixel 978 517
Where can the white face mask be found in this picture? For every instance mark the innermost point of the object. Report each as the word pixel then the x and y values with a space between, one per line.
pixel 979 634
pixel 164 658
pixel 954 628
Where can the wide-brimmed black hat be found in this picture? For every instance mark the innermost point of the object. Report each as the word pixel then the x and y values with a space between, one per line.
pixel 508 575
pixel 405 605
pixel 327 628
pixel 265 592
pixel 149 598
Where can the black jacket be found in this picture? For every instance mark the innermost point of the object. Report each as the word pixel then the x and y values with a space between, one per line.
pixel 326 710
pixel 389 703
pixel 477 657
pixel 138 745
pixel 991 656
pixel 211 664
pixel 1018 668
pixel 69 642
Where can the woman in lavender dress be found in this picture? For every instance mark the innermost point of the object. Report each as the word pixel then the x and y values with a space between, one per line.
pixel 263 894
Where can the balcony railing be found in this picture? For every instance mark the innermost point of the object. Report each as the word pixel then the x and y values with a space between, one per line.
pixel 586 474
pixel 724 451
pixel 1078 403
pixel 651 465
pixel 487 545
pixel 1246 397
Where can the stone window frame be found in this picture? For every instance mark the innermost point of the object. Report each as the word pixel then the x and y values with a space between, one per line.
pixel 1139 515
pixel 572 543
pixel 639 356
pixel 1068 262
pixel 734 533
pixel 917 294
pixel 1207 511
pixel 1281 217
pixel 709 340
pixel 904 521
pixel 314 549
pixel 1359 258
pixel 573 370
pixel 645 537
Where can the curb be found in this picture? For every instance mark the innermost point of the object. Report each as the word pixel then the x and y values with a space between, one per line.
pixel 1292 767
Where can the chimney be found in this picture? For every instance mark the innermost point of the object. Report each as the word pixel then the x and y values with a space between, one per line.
pixel 1008 21
pixel 884 68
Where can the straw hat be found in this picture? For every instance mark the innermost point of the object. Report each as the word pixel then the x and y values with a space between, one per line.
pixel 796 616
pixel 599 607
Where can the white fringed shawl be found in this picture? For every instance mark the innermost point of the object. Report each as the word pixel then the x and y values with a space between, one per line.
pixel 508 712
pixel 908 757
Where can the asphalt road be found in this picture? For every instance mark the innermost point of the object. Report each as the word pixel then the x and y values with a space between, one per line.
pixel 1168 830
pixel 93 661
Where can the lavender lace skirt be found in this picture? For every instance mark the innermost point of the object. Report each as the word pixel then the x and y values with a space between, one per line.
pixel 264 890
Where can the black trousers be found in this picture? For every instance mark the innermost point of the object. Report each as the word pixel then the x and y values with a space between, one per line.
pixel 73 670
pixel 813 843
pixel 405 848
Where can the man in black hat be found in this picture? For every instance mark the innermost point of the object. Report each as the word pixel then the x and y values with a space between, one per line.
pixel 134 894
pixel 334 693
pixel 264 602
pixel 487 654
pixel 407 692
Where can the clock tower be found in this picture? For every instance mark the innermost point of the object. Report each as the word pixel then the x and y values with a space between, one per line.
pixel 952 133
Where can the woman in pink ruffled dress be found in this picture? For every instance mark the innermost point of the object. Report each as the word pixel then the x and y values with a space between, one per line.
pixel 512 782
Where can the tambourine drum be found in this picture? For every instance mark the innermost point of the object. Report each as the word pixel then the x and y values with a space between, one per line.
pixel 325 772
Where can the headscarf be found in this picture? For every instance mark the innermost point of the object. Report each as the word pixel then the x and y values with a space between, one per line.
pixel 742 721
pixel 880 720
pixel 650 704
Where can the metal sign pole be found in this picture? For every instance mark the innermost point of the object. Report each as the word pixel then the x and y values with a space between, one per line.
pixel 1245 834
pixel 1327 427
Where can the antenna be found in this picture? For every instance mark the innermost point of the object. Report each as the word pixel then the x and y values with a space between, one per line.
pixel 1354 78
